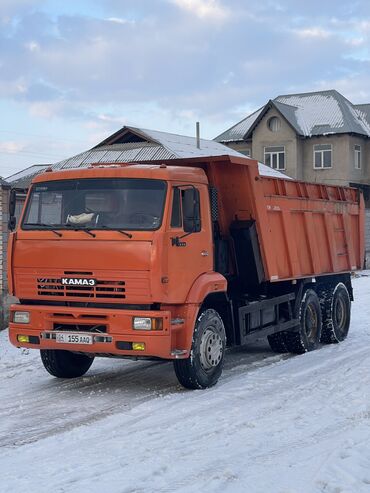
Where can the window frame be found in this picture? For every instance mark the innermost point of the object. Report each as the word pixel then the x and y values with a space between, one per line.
pixel 24 226
pixel 178 190
pixel 275 153
pixel 321 152
pixel 358 156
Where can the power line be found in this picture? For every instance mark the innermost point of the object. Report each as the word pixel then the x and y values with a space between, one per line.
pixel 49 156
pixel 46 137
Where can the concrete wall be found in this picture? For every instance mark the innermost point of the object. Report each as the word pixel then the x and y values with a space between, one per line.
pixel 285 136
pixel 242 147
pixel 343 169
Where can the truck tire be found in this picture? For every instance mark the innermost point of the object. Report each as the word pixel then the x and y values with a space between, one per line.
pixel 204 366
pixel 64 364
pixel 277 342
pixel 336 313
pixel 307 337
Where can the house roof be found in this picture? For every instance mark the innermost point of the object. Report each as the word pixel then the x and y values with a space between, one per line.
pixel 310 114
pixel 132 144
pixel 23 178
pixel 3 183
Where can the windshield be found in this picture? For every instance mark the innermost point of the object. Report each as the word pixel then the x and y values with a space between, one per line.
pixel 96 203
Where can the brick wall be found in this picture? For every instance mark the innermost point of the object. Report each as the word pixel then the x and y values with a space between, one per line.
pixel 2 257
pixel 4 216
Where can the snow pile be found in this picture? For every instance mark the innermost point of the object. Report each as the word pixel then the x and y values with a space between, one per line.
pixel 278 424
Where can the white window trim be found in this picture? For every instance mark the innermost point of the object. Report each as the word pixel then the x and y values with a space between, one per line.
pixel 322 156
pixel 275 152
pixel 358 152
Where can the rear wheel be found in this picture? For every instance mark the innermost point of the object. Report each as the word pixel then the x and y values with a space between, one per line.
pixel 277 342
pixel 204 366
pixel 307 337
pixel 336 313
pixel 64 364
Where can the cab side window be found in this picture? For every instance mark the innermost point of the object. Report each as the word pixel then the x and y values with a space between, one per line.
pixel 186 209
pixel 176 218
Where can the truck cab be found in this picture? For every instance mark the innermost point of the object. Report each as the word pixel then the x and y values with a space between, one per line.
pixel 106 258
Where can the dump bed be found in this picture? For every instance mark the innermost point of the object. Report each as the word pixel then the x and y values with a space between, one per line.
pixel 303 229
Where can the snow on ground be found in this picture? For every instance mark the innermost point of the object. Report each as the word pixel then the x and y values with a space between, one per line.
pixel 291 424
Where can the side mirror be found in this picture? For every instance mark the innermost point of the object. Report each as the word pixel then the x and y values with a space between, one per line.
pixel 12 223
pixel 12 203
pixel 191 210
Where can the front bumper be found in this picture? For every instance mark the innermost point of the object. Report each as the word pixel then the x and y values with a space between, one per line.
pixel 115 336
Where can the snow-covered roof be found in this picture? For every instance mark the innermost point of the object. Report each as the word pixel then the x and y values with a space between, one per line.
pixel 310 114
pixel 132 144
pixel 238 131
pixel 23 178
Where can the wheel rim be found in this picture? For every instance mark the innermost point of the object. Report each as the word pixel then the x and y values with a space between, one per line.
pixel 311 322
pixel 340 314
pixel 211 349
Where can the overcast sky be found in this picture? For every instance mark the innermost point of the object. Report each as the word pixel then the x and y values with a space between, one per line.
pixel 73 72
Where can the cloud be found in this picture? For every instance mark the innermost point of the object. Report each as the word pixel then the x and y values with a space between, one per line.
pixel 204 9
pixel 11 147
pixel 178 60
pixel 118 20
pixel 313 32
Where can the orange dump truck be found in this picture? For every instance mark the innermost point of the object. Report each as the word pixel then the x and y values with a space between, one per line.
pixel 177 260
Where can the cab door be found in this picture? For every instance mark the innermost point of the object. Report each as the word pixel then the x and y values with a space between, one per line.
pixel 189 242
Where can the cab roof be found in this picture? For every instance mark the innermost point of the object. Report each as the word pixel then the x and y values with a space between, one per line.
pixel 127 170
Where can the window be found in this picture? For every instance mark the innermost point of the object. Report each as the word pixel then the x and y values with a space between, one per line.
pixel 246 152
pixel 275 157
pixel 94 203
pixel 186 209
pixel 176 218
pixel 357 156
pixel 322 156
pixel 274 124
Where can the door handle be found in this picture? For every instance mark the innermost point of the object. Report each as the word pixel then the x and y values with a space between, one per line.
pixel 204 253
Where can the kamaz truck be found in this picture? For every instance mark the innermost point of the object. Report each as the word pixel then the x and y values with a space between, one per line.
pixel 179 260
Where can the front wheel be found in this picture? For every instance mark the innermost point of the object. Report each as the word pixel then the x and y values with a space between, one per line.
pixel 64 364
pixel 204 366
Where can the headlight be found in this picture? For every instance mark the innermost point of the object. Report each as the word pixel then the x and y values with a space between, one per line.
pixel 21 317
pixel 146 323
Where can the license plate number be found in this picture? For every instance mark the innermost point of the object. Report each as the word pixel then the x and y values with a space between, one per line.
pixel 68 338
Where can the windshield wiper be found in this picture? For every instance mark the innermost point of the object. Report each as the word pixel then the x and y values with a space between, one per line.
pixel 129 235
pixel 49 227
pixel 85 230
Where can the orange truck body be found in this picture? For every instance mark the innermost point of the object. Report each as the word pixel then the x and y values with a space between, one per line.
pixel 304 231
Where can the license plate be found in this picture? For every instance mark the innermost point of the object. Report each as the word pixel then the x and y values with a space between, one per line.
pixel 73 338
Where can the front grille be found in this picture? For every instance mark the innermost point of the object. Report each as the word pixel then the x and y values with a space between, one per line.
pixel 80 328
pixel 103 289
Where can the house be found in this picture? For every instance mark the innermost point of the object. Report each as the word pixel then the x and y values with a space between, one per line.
pixel 316 136
pixel 132 144
pixel 21 181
